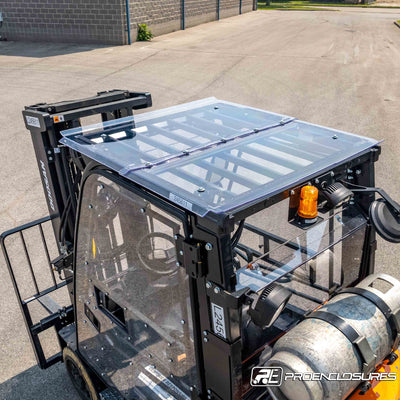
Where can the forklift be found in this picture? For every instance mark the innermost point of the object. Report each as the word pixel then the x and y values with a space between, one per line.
pixel 208 250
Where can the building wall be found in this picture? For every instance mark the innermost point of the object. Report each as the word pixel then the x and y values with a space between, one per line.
pixel 164 16
pixel 161 15
pixel 77 21
pixel 104 21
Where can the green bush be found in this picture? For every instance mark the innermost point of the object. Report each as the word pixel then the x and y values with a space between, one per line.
pixel 144 33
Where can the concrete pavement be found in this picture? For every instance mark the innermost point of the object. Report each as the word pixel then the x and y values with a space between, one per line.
pixel 336 68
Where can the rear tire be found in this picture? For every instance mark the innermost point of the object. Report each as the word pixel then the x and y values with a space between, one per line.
pixel 79 375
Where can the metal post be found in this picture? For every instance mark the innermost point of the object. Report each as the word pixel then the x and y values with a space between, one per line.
pixel 240 6
pixel 128 21
pixel 183 15
pixel 218 6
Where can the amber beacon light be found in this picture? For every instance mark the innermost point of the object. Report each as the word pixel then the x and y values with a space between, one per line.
pixel 308 202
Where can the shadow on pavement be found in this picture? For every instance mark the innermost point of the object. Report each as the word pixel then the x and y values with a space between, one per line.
pixel 41 49
pixel 37 384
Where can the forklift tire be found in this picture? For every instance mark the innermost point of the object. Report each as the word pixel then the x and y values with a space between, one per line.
pixel 79 375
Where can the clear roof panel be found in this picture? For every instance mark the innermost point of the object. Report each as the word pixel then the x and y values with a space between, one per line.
pixel 212 155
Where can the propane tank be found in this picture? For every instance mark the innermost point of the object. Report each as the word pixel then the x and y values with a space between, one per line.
pixel 322 342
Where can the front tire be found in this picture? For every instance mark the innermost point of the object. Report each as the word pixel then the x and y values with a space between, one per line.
pixel 79 375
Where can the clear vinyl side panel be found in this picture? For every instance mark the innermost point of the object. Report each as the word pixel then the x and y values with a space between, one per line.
pixel 132 300
pixel 312 263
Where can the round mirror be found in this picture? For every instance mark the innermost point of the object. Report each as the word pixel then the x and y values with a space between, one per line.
pixel 385 220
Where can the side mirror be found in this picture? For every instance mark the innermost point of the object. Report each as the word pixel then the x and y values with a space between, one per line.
pixel 386 220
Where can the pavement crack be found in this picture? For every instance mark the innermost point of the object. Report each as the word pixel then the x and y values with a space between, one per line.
pixel 127 66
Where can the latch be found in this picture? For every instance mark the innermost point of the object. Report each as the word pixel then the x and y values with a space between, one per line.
pixel 189 255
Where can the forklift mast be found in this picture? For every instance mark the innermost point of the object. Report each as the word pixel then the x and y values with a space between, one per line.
pixel 60 169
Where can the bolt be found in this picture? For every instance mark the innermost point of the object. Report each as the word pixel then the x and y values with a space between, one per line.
pixel 317 181
pixel 217 290
pixel 90 280
pixel 90 206
pixel 50 158
pixel 149 356
pixel 201 189
pixel 101 186
pixel 178 264
pixel 208 246
pixel 97 360
pixel 142 210
pixel 205 333
pixel 102 348
pixel 86 262
pixel 208 285
pixel 176 237
pixel 94 308
pixel 292 192
pixel 130 363
pixel 332 173
pixel 145 325
pixel 209 391
pixel 48 151
pixel 169 344
pixel 191 236
pixel 216 107
pixel 85 347
pixel 182 321
pixel 205 339
pixel 129 338
pixel 84 321
pixel 170 360
pixel 102 374
pixel 181 252
pixel 171 376
pixel 191 388
pixel 334 136
pixel 88 302
pixel 349 171
pixel 125 308
pixel 358 171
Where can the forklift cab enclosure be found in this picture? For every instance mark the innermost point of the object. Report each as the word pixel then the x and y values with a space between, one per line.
pixel 180 242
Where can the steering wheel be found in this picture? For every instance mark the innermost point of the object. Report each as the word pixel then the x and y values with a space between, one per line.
pixel 156 260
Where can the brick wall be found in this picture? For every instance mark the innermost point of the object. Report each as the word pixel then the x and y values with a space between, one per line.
pixel 161 15
pixel 78 21
pixel 104 21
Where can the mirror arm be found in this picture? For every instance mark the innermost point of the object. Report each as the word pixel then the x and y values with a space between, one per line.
pixel 381 192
